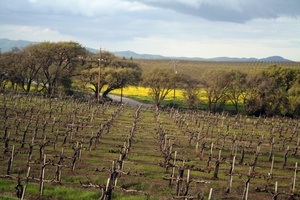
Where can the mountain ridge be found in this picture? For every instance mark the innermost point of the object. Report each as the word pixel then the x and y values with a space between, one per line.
pixel 7 45
pixel 130 54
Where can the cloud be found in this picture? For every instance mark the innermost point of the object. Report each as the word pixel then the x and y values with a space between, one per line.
pixel 167 27
pixel 89 8
pixel 38 33
pixel 238 11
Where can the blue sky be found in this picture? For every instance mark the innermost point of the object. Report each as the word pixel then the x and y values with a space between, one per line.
pixel 192 28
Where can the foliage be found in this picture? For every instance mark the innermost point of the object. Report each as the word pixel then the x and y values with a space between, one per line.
pixel 11 70
pixel 236 87
pixel 191 91
pixel 161 82
pixel 59 61
pixel 47 64
pixel 268 92
pixel 120 74
pixel 114 73
pixel 216 86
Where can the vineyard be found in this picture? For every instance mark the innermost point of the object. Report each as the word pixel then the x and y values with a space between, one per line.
pixel 197 68
pixel 70 149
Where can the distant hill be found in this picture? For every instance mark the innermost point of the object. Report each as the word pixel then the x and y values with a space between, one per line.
pixel 130 54
pixel 275 59
pixel 7 45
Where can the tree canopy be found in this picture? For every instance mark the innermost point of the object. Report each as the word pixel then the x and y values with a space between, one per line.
pixel 48 64
pixel 271 92
pixel 115 73
pixel 54 67
pixel 160 82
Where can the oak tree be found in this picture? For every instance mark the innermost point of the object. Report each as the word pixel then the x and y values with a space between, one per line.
pixel 160 82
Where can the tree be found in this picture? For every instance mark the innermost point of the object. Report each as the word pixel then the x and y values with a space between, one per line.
pixel 58 61
pixel 115 73
pixel 88 76
pixel 4 79
pixel 268 91
pixel 215 86
pixel 30 67
pixel 258 92
pixel 283 77
pixel 11 68
pixel 236 87
pixel 161 82
pixel 191 91
pixel 121 73
pixel 294 97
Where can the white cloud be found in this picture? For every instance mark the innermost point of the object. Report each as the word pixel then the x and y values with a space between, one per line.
pixel 33 33
pixel 90 8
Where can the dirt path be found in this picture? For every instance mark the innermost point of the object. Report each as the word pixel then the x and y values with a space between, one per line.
pixel 129 101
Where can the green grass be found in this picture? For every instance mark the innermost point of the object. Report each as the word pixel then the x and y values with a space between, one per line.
pixel 6 186
pixel 52 192
pixel 3 197
pixel 61 192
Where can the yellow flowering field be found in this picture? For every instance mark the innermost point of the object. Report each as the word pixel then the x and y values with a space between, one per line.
pixel 143 93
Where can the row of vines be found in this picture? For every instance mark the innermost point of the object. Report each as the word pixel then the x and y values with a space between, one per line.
pixel 115 151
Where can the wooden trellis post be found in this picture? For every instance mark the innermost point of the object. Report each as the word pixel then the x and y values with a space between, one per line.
pixel 188 181
pixel 272 165
pixel 210 194
pixel 26 182
pixel 247 191
pixel 294 178
pixel 173 169
pixel 42 176
pixel 276 193
pixel 231 175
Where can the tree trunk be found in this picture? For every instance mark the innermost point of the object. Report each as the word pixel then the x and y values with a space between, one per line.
pixel 105 93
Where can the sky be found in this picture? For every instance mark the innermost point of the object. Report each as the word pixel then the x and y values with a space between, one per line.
pixel 190 28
